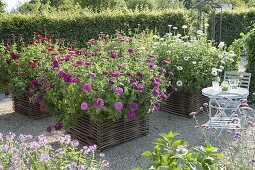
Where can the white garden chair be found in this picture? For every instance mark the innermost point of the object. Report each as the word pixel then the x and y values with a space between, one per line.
pixel 244 78
pixel 226 105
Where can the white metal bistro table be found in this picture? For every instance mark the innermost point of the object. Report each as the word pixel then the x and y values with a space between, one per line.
pixel 210 92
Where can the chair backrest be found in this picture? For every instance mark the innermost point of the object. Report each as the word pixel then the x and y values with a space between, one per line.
pixel 243 77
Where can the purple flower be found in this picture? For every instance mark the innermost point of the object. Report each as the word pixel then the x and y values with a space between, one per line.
pixel 155 92
pixel 58 126
pixel 106 72
pixel 92 75
pixel 164 96
pixel 98 103
pixel 34 82
pixel 161 71
pixel 139 74
pixel 156 107
pixel 116 74
pixel 13 168
pixel 44 157
pixel 105 163
pixel 133 81
pixel 129 74
pixel 119 90
pixel 118 105
pixel 84 106
pixel 75 80
pixel 174 89
pixel 86 87
pixel 121 66
pixel 170 73
pixel 133 106
pixel 165 62
pixel 151 65
pixel 114 55
pixel 55 64
pixel 15 159
pixel 131 115
pixel 131 50
pixel 139 87
pixel 79 63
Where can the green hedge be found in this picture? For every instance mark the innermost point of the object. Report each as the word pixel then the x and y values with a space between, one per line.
pixel 234 22
pixel 84 27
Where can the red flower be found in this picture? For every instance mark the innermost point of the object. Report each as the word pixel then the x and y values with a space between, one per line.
pixel 42 107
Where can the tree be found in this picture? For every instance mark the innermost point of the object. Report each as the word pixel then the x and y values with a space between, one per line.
pixel 2 6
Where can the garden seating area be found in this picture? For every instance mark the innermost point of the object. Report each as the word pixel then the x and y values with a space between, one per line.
pixel 125 84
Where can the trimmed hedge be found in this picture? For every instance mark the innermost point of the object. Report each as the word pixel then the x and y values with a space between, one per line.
pixel 233 23
pixel 84 27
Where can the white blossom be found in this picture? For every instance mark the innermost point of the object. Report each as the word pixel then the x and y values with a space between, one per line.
pixel 179 68
pixel 179 83
pixel 221 45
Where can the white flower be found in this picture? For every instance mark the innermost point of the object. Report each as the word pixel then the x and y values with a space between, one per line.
pixel 170 26
pixel 221 45
pixel 200 32
pixel 179 68
pixel 214 72
pixel 223 62
pixel 156 36
pixel 175 28
pixel 179 83
pixel 178 35
pixel 194 62
pixel 186 58
pixel 184 26
pixel 219 70
pixel 221 67
pixel 162 39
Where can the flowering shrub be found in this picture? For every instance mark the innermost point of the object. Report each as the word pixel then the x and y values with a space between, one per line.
pixel 173 154
pixel 194 62
pixel 27 152
pixel 113 78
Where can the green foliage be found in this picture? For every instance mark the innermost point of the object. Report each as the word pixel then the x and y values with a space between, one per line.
pixel 133 4
pixel 88 25
pixel 233 23
pixel 2 6
pixel 172 154
pixel 193 61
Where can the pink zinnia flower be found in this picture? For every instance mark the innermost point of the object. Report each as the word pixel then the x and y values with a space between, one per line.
pixel 132 116
pixel 164 96
pixel 86 88
pixel 92 75
pixel 133 106
pixel 42 107
pixel 98 103
pixel 116 74
pixel 119 90
pixel 165 62
pixel 118 105
pixel 84 106
pixel 156 107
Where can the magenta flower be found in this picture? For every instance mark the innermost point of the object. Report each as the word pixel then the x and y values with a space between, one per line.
pixel 114 55
pixel 132 116
pixel 116 74
pixel 131 50
pixel 58 126
pixel 55 64
pixel 133 81
pixel 42 107
pixel 92 75
pixel 98 103
pixel 133 106
pixel 121 66
pixel 170 73
pixel 164 96
pixel 139 74
pixel 139 87
pixel 151 65
pixel 165 62
pixel 118 105
pixel 119 90
pixel 129 74
pixel 86 87
pixel 161 71
pixel 156 107
pixel 174 89
pixel 155 92
pixel 106 72
pixel 84 106
pixel 34 82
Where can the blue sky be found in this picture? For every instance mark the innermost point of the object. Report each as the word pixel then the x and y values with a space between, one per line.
pixel 13 3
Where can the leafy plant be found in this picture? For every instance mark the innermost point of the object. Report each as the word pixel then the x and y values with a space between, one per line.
pixel 173 154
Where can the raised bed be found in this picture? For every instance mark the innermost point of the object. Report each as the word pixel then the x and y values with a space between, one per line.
pixel 183 103
pixel 28 109
pixel 108 133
